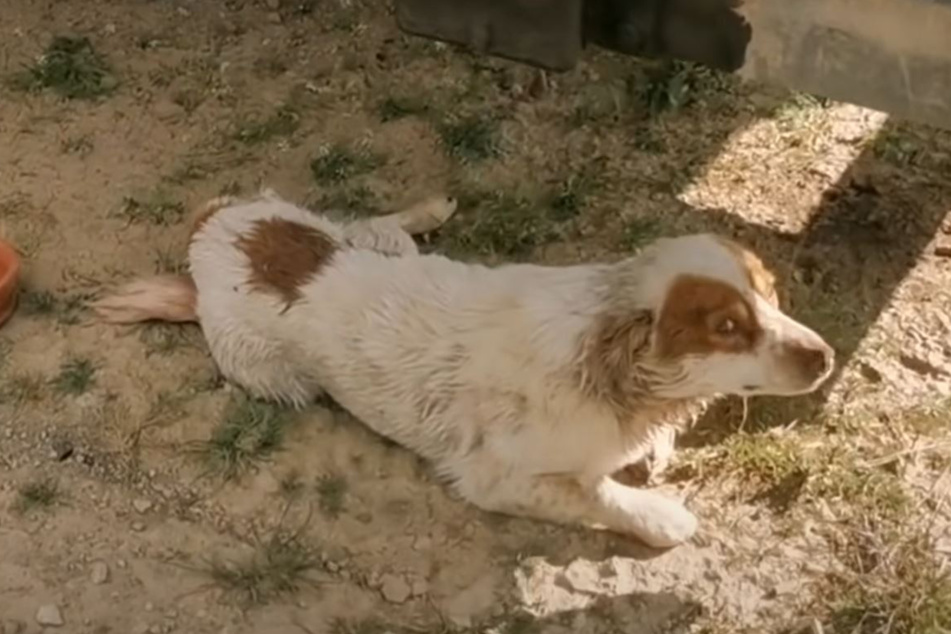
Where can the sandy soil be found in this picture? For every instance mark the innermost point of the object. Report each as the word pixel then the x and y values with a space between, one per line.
pixel 140 535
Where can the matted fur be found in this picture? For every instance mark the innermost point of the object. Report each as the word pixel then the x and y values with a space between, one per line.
pixel 526 386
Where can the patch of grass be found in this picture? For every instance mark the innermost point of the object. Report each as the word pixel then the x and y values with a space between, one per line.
pixel 277 567
pixel 36 494
pixel 283 123
pixel 157 208
pixel 249 432
pixel 673 85
pixel 393 108
pixel 502 225
pixel 570 196
pixel 331 495
pixel 893 584
pixel 339 163
pixel 70 67
pixel 38 302
pixel 23 388
pixel 638 233
pixel 66 308
pixel 472 139
pixel 76 376
pixel 359 199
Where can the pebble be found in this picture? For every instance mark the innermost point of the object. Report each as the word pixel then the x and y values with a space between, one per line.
pixel 98 572
pixel 395 589
pixel 142 506
pixel 49 616
pixel 138 527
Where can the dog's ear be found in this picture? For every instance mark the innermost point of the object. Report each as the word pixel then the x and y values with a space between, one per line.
pixel 612 351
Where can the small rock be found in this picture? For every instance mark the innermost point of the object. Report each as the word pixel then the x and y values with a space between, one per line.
pixel 422 543
pixel 142 505
pixel 49 616
pixel 138 527
pixel 98 572
pixel 274 17
pixel 395 589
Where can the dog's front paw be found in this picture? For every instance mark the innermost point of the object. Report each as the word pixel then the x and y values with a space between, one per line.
pixel 428 215
pixel 662 522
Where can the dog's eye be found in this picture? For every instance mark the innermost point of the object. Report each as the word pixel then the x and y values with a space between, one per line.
pixel 726 327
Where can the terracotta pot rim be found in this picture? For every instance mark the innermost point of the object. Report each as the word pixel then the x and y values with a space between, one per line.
pixel 9 279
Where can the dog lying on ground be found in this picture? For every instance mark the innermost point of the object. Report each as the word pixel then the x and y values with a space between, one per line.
pixel 526 386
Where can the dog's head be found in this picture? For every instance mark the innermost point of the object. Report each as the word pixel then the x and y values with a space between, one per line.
pixel 699 316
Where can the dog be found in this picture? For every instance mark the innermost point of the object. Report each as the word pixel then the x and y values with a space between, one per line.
pixel 525 386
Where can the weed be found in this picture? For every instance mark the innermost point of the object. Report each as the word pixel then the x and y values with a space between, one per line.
pixel 283 123
pixel 472 139
pixel 71 67
pixel 157 208
pixel 75 376
pixel 393 108
pixel 250 430
pixel 339 163
pixel 66 308
pixel 36 494
pixel 331 493
pixel 275 568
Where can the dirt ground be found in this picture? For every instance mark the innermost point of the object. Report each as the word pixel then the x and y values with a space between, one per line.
pixel 126 506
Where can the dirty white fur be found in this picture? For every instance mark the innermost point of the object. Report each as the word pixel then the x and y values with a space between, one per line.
pixel 477 369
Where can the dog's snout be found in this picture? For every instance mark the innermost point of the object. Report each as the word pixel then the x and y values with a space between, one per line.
pixel 814 359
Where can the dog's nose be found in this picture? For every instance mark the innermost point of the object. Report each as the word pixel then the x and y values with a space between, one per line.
pixel 815 360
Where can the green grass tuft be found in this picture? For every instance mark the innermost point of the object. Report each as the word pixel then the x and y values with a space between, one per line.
pixel 37 494
pixel 283 123
pixel 276 568
pixel 472 139
pixel 71 68
pixel 340 163
pixel 249 432
pixel 332 493
pixel 76 376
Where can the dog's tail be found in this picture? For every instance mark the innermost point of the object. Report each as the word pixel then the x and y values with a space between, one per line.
pixel 160 298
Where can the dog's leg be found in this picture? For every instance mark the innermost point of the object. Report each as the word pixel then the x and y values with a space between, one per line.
pixel 652 517
pixel 392 233
pixel 663 443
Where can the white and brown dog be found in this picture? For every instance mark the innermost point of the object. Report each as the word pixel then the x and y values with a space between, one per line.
pixel 526 386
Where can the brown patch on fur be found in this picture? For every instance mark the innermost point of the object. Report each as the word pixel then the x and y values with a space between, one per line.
pixel 284 255
pixel 761 279
pixel 206 211
pixel 610 355
pixel 702 316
